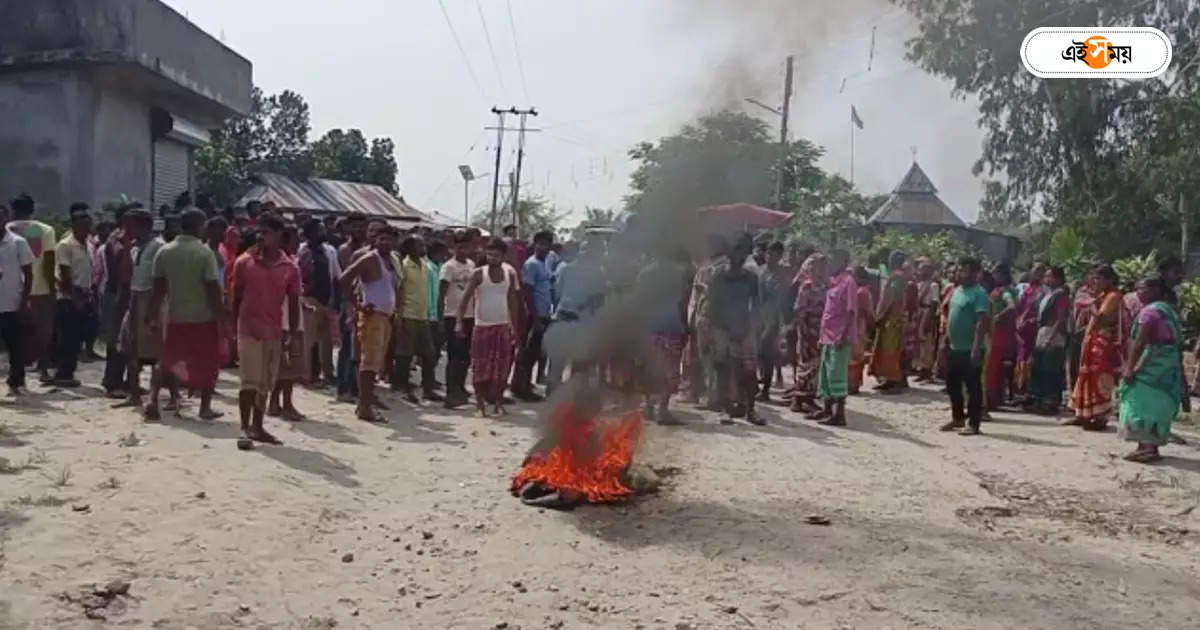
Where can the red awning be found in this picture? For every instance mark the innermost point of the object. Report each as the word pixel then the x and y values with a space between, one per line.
pixel 744 215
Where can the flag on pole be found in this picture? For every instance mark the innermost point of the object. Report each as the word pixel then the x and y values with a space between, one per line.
pixel 854 117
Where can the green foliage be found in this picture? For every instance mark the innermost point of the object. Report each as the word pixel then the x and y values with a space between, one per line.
pixel 1068 250
pixel 1189 309
pixel 536 214
pixel 942 247
pixel 720 158
pixel 1134 268
pixel 596 217
pixel 1093 154
pixel 273 138
pixel 729 157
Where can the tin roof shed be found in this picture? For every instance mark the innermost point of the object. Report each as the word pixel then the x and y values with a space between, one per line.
pixel 315 195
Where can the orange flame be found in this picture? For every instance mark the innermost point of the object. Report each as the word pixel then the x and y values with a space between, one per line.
pixel 579 464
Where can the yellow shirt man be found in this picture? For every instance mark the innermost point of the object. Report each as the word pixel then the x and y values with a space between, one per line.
pixel 414 289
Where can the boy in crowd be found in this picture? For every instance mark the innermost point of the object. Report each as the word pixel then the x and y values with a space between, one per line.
pixel 969 322
pixel 414 337
pixel 43 290
pixel 16 278
pixel 493 292
pixel 355 227
pixel 74 295
pixel 319 271
pixel 536 282
pixel 839 328
pixel 733 305
pixel 455 277
pixel 266 280
pixel 292 363
pixel 185 275
pixel 376 305
pixel 141 339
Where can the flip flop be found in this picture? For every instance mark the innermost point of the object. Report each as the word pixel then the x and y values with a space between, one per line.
pixel 373 418
pixel 210 414
pixel 1142 457
pixel 265 438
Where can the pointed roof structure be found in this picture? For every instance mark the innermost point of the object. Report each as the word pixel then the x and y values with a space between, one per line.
pixel 915 201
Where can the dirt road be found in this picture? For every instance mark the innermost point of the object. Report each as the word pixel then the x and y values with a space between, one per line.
pixel 410 525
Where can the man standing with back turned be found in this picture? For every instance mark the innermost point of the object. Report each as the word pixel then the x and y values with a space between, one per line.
pixel 969 323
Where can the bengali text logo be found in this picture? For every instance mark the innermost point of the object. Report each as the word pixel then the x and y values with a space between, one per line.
pixel 1126 52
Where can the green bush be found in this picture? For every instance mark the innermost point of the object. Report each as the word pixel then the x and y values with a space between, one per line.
pixel 1189 310
pixel 941 247
pixel 1134 268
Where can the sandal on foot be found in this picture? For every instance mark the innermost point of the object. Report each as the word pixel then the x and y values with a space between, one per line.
pixel 209 414
pixel 1142 457
pixel 261 435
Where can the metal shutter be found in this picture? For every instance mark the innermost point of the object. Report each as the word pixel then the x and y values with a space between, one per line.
pixel 172 170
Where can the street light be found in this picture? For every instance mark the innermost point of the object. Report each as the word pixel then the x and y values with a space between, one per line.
pixel 468 176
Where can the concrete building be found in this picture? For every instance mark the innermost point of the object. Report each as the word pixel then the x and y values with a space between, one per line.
pixel 103 98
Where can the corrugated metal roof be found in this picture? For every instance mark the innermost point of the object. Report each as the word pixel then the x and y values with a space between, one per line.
pixel 318 195
pixel 915 200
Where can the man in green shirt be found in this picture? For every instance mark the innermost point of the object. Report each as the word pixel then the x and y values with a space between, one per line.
pixel 968 326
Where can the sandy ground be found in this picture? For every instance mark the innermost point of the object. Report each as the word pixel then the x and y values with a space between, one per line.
pixel 410 525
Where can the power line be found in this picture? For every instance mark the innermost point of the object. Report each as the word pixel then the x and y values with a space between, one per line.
pixel 441 185
pixel 512 27
pixel 487 35
pixel 461 51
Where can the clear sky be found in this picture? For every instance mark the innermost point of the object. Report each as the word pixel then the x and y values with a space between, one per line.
pixel 604 74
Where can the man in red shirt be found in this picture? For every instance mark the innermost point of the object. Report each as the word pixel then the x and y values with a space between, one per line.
pixel 264 280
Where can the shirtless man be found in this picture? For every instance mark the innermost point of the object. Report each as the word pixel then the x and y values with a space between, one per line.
pixel 376 304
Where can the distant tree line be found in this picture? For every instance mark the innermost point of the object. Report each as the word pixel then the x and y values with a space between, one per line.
pixel 273 137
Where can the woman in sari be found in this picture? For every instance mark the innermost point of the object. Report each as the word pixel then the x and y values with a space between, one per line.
pixel 866 320
pixel 943 349
pixel 1002 348
pixel 891 317
pixel 1081 314
pixel 1152 385
pixel 1048 377
pixel 929 295
pixel 811 285
pixel 1031 294
pixel 1100 361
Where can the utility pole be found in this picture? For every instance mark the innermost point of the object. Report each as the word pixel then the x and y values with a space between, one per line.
pixel 496 180
pixel 783 132
pixel 520 158
pixel 500 129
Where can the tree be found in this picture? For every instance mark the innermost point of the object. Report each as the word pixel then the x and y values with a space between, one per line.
pixel 345 155
pixel 1067 148
pixel 595 217
pixel 381 165
pixel 341 155
pixel 536 213
pixel 720 158
pixel 273 138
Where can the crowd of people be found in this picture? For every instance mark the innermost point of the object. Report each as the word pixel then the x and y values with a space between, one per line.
pixel 1033 345
pixel 347 302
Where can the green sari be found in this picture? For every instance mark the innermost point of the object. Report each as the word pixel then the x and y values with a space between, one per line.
pixel 1149 404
